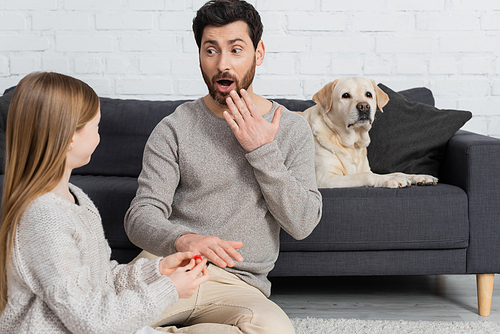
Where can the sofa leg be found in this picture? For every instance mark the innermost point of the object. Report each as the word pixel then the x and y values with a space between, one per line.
pixel 484 293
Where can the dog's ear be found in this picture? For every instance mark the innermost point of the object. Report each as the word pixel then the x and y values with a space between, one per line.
pixel 324 97
pixel 382 97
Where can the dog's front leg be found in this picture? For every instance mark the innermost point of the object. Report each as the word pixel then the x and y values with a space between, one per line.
pixel 366 179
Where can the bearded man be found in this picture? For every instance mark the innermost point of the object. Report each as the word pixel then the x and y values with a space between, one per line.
pixel 221 176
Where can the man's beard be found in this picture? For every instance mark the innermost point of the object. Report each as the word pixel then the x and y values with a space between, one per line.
pixel 220 97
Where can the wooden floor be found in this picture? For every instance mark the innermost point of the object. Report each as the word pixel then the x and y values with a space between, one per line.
pixel 429 298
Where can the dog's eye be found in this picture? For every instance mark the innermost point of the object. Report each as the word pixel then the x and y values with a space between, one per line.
pixel 368 94
pixel 346 96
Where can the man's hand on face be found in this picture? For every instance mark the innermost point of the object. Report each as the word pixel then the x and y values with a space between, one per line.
pixel 249 127
pixel 219 252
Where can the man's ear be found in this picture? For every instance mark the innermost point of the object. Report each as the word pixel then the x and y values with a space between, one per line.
pixel 260 53
pixel 324 97
pixel 382 97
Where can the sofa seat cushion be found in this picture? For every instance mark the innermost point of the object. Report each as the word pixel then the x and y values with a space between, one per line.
pixel 112 196
pixel 413 218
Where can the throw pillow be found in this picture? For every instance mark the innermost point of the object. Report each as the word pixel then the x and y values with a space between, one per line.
pixel 411 137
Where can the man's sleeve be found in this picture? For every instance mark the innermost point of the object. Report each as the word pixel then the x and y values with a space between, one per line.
pixel 147 220
pixel 288 181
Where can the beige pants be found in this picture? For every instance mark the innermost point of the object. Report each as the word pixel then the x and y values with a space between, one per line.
pixel 225 304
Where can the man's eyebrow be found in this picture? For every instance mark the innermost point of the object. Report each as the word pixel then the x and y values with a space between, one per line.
pixel 210 41
pixel 231 41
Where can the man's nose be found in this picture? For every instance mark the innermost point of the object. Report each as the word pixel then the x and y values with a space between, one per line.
pixel 224 62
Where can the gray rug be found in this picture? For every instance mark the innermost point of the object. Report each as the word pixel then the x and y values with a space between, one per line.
pixel 352 326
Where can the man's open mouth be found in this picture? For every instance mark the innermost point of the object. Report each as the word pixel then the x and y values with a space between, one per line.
pixel 225 82
pixel 225 85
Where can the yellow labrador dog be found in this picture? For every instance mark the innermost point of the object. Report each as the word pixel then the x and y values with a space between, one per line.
pixel 340 122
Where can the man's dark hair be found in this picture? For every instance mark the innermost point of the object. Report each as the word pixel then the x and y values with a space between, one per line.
pixel 222 12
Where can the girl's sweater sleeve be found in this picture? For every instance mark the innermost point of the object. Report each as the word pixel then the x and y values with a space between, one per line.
pixel 74 287
pixel 128 276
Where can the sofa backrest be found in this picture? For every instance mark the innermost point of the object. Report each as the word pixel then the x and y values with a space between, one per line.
pixel 124 129
pixel 126 125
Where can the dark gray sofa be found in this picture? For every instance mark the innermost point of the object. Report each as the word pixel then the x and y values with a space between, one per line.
pixel 450 228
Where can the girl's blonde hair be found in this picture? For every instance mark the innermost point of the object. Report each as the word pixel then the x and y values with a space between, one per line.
pixel 45 112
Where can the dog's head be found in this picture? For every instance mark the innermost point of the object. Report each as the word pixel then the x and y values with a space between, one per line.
pixel 351 103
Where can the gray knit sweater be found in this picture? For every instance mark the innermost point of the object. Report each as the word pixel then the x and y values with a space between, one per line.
pixel 62 280
pixel 196 178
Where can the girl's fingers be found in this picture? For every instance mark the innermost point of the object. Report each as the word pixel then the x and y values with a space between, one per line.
pixel 204 277
pixel 194 268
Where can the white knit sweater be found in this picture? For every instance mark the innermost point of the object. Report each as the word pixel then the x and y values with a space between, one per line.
pixel 62 280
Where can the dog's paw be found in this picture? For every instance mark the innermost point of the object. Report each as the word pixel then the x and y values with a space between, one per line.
pixel 397 182
pixel 424 180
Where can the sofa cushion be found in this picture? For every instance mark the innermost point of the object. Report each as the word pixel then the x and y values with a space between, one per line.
pixel 411 137
pixel 125 128
pixel 413 218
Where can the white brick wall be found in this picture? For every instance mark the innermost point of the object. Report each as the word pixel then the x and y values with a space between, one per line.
pixel 145 48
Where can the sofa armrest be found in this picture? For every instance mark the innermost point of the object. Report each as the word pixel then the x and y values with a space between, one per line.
pixel 472 162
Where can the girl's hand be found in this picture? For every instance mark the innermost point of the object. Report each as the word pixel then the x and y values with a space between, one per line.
pixel 186 279
pixel 170 263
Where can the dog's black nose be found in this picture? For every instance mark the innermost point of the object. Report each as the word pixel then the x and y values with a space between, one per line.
pixel 363 106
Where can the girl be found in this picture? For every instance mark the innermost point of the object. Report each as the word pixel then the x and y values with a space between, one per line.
pixel 55 270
